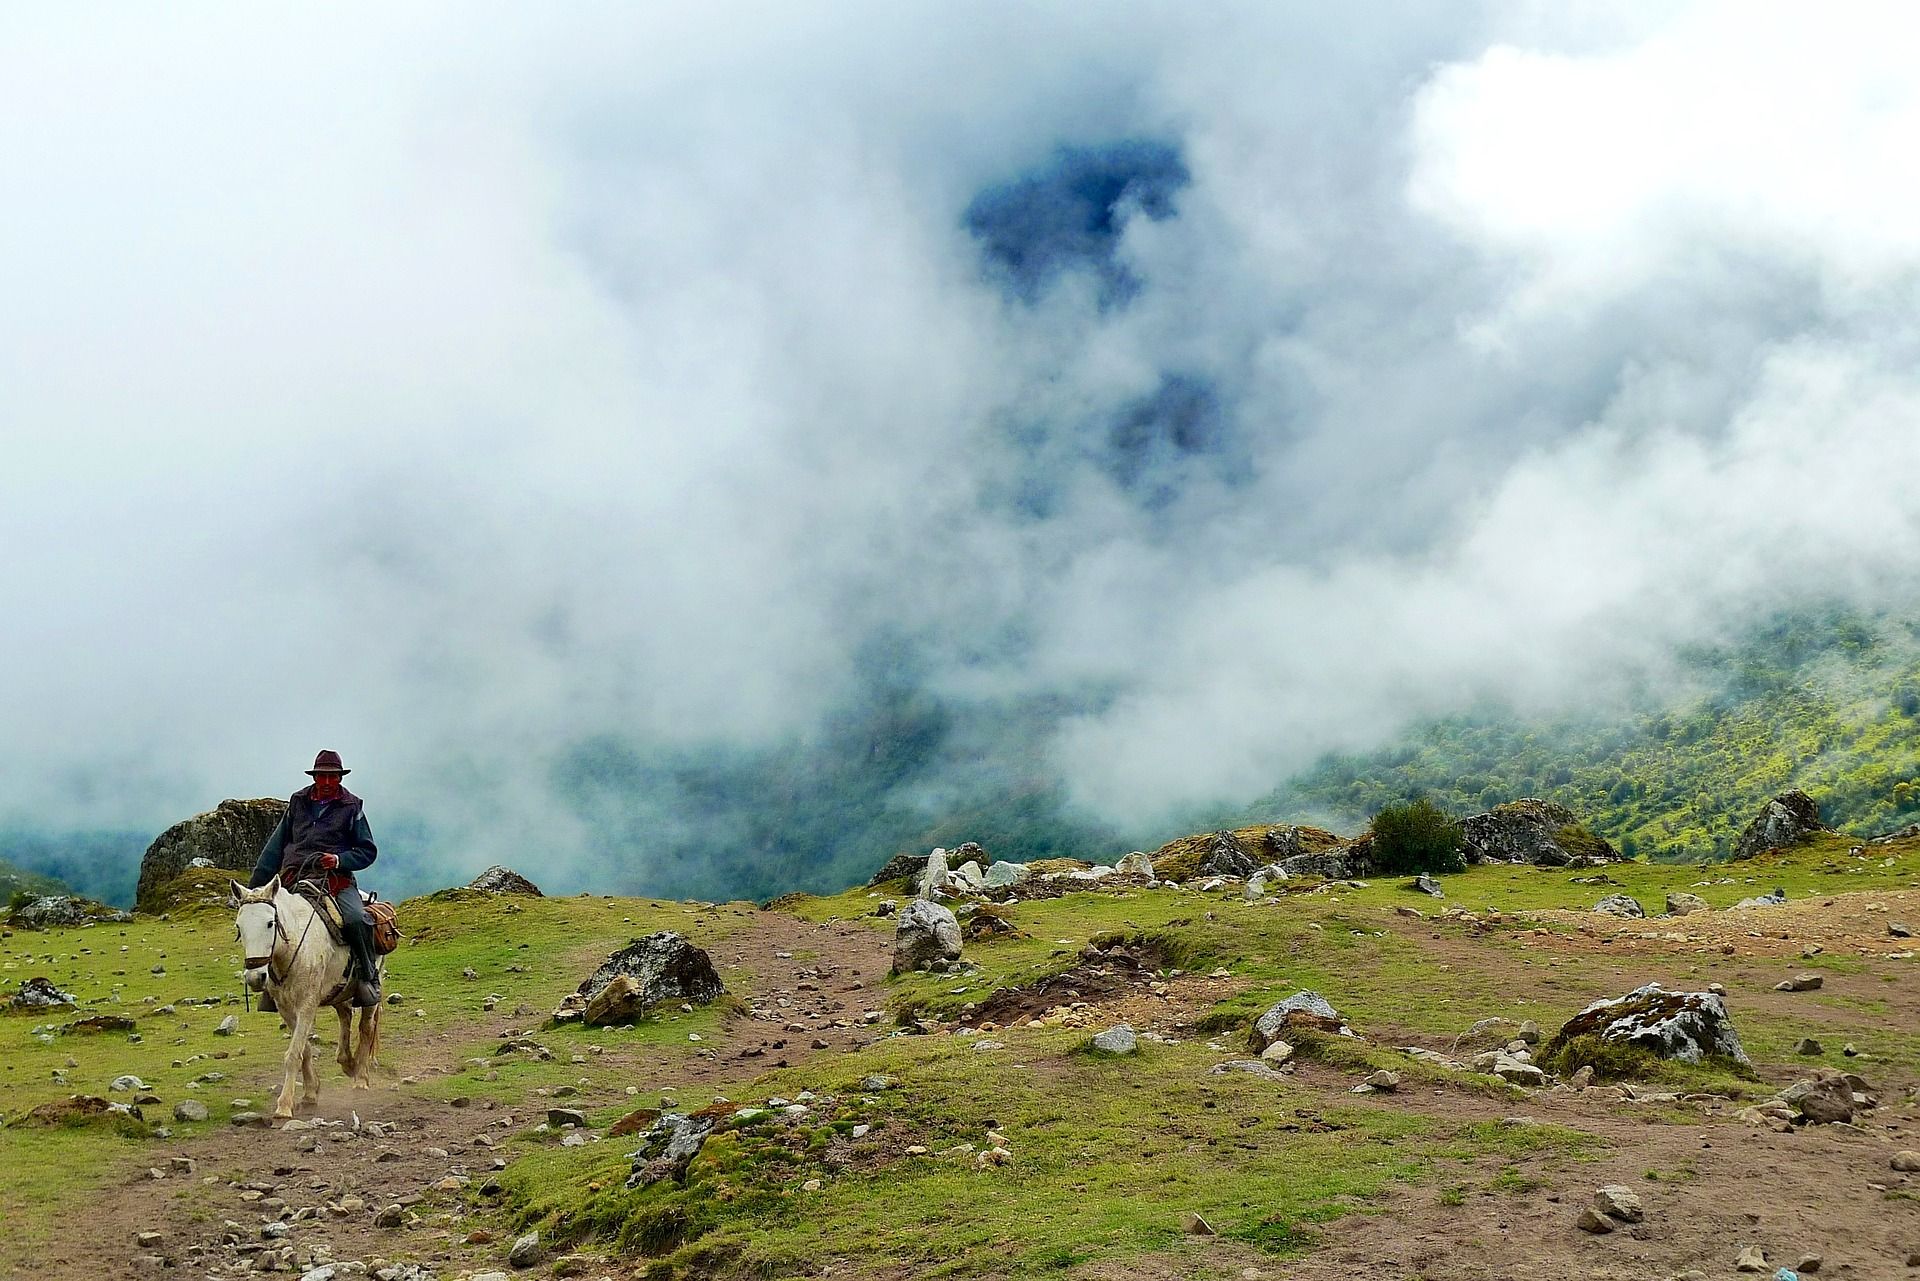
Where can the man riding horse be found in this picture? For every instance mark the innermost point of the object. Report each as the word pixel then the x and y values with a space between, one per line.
pixel 324 838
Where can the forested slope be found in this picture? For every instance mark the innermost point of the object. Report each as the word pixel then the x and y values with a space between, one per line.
pixel 1831 705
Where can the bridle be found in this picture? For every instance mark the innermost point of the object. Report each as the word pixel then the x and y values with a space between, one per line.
pixel 280 935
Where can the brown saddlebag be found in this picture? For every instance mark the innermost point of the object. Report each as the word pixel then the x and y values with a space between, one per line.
pixel 386 924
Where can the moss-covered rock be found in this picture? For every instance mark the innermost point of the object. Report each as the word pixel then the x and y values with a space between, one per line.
pixel 1533 831
pixel 57 911
pixel 1222 853
pixel 1789 819
pixel 229 836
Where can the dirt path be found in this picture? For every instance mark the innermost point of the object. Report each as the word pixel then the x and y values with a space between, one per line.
pixel 330 1184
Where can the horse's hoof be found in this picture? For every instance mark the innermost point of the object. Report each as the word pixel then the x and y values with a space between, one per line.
pixel 283 1116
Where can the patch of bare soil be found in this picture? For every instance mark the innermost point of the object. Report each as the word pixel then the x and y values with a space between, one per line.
pixel 1853 923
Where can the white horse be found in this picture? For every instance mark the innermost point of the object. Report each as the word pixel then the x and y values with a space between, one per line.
pixel 291 956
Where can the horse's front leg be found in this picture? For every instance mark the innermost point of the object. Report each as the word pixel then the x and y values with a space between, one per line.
pixel 295 1063
pixel 345 1057
pixel 369 1046
pixel 309 1080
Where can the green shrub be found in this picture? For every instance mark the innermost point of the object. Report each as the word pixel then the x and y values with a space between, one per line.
pixel 1417 836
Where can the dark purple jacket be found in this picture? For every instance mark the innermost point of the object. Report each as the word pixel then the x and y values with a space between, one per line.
pixel 310 829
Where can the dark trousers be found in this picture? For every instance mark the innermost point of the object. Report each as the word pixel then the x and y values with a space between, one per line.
pixel 358 932
pixel 352 913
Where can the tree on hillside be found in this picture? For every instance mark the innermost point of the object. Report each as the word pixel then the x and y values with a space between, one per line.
pixel 1417 836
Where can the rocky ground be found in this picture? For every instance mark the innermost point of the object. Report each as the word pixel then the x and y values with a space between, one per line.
pixel 959 1123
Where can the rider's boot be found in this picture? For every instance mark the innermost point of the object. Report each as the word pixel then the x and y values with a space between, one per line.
pixel 366 979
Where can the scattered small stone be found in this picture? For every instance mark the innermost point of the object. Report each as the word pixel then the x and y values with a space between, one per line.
pixel 1807 1045
pixel 1825 1100
pixel 228 1026
pixel 1277 1053
pixel 1752 1259
pixel 1591 1220
pixel 525 1252
pixel 389 1217
pixel 190 1110
pixel 1907 1161
pixel 1800 983
pixel 1120 1039
pixel 1384 1081
pixel 1620 1202
pixel 1195 1226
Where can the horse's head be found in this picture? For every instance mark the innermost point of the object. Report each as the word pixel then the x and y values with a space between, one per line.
pixel 254 924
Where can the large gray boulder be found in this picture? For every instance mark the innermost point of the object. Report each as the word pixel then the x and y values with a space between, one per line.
pixel 504 880
pixel 1689 1026
pixel 1786 820
pixel 1341 863
pixel 58 910
pixel 926 935
pixel 1226 857
pixel 934 879
pixel 1538 832
pixel 1004 876
pixel 228 836
pixel 649 971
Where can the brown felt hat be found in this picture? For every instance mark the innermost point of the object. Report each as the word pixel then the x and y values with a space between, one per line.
pixel 328 762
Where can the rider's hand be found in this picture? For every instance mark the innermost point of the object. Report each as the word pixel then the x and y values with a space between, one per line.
pixel 329 861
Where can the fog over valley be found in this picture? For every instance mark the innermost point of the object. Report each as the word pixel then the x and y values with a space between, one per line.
pixel 700 451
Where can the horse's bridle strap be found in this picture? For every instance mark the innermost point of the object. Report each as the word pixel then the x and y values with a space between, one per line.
pixel 255 962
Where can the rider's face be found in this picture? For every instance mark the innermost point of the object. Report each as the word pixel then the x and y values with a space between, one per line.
pixel 326 786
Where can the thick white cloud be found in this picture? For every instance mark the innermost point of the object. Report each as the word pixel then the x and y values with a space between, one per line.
pixel 449 389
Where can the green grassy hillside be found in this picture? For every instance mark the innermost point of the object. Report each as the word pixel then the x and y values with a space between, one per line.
pixel 1828 705
pixel 18 880
pixel 874 1154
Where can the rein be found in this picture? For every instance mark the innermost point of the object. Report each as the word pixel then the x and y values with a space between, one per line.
pixel 279 932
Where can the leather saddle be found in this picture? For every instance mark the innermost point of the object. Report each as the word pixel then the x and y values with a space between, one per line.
pixel 380 915
pixel 322 903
